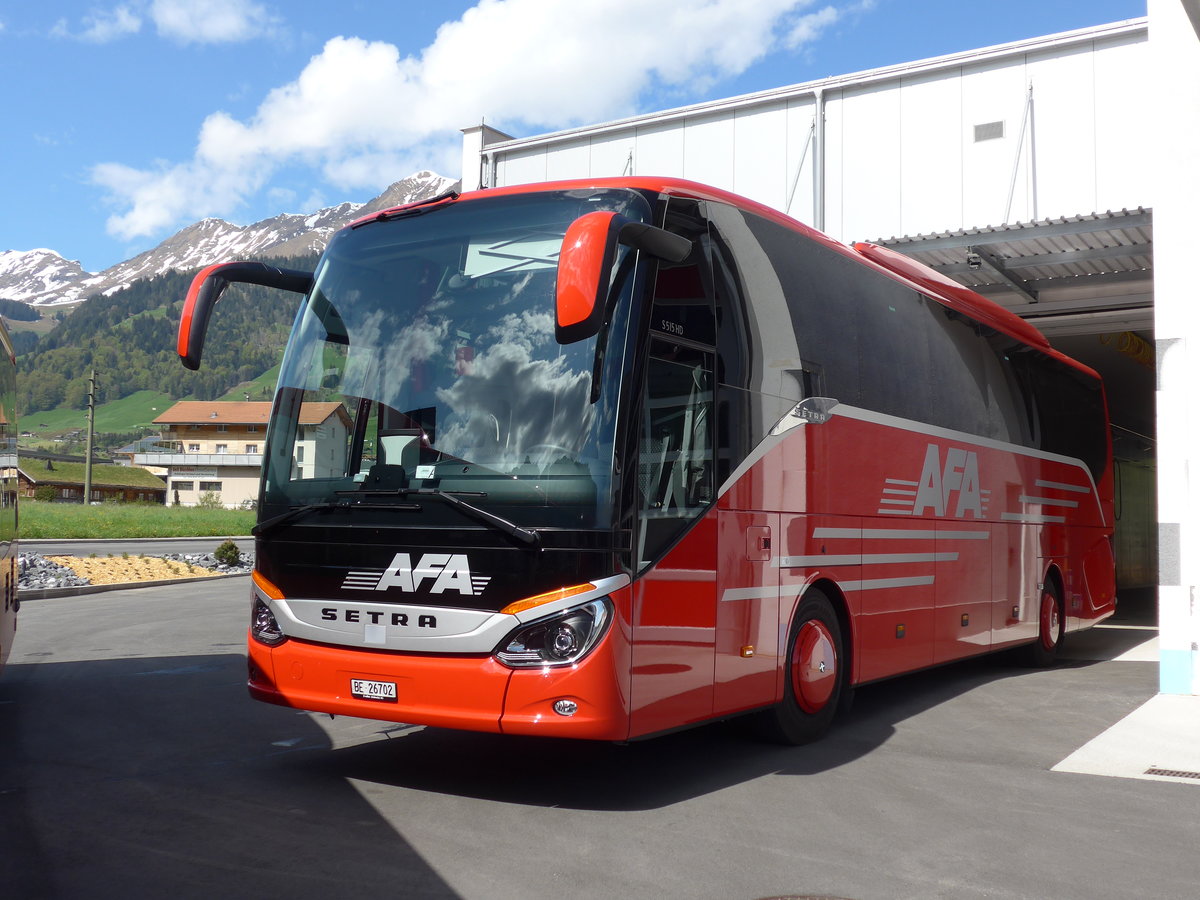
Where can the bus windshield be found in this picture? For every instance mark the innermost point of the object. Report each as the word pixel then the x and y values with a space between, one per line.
pixel 424 361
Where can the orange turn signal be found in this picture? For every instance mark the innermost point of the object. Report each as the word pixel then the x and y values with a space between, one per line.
pixel 265 586
pixel 548 597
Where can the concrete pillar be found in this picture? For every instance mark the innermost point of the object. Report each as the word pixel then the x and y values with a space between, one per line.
pixel 474 165
pixel 1174 97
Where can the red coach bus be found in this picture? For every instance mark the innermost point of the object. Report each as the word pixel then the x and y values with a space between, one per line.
pixel 11 601
pixel 603 459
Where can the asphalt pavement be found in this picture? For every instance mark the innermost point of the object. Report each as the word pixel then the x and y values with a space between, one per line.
pixel 132 763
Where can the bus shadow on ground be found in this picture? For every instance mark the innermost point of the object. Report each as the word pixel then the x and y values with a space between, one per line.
pixel 677 767
pixel 159 777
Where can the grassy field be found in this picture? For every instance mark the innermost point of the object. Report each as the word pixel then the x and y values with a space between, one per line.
pixel 261 388
pixel 129 520
pixel 127 414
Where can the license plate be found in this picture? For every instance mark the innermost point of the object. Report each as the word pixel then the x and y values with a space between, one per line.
pixel 373 690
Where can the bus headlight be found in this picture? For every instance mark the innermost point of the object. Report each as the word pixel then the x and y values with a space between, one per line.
pixel 558 640
pixel 263 626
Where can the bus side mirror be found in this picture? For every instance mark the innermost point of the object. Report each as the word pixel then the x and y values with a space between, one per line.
pixel 585 267
pixel 207 288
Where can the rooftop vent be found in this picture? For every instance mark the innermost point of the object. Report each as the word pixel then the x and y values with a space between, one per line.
pixel 989 131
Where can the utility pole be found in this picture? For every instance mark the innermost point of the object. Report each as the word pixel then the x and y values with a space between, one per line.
pixel 91 424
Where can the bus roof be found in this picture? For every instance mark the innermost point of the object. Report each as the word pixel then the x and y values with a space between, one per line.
pixel 896 265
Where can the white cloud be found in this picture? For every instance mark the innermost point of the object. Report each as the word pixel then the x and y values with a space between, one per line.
pixel 182 21
pixel 103 26
pixel 363 115
pixel 210 21
pixel 808 28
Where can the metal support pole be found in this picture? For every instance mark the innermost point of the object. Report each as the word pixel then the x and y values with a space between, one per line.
pixel 91 425
pixel 819 161
pixel 800 165
pixel 1012 185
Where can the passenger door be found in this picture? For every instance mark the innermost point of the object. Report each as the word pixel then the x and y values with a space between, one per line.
pixel 676 533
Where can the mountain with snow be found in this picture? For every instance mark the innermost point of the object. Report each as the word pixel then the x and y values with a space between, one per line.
pixel 26 274
pixel 43 278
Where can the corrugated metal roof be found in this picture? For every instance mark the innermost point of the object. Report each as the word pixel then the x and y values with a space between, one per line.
pixel 1032 261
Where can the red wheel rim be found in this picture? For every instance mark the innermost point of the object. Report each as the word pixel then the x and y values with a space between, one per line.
pixel 1049 621
pixel 814 666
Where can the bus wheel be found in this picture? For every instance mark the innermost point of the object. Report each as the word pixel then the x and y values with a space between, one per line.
pixel 1044 650
pixel 815 676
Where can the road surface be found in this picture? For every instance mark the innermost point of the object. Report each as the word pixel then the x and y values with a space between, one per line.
pixel 132 763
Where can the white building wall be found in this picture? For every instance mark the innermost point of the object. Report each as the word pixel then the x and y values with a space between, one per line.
pixel 759 153
pixel 932 151
pixel 1175 103
pixel 709 149
pixel 239 485
pixel 997 91
pixel 900 152
pixel 863 162
pixel 1121 162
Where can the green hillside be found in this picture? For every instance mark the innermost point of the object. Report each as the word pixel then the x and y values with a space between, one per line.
pixel 124 415
pixel 260 388
pixel 129 339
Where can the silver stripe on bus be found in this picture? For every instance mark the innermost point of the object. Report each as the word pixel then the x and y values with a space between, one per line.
pixel 900 492
pixel 864 559
pixel 902 482
pixel 1033 518
pixel 899 534
pixel 878 584
pixel 1049 501
pixel 1074 488
pixel 762 592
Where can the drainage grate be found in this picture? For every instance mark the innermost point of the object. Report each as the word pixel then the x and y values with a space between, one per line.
pixel 1172 773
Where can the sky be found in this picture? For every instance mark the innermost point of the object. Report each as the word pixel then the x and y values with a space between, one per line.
pixel 130 119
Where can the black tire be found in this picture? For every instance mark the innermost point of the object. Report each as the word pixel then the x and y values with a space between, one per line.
pixel 1051 623
pixel 815 676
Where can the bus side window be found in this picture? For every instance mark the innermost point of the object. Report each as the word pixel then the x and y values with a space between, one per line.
pixel 675 470
pixel 683 293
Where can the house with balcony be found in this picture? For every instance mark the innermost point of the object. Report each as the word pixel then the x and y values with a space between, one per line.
pixel 216 447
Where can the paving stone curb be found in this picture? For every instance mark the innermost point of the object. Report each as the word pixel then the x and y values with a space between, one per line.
pixel 77 590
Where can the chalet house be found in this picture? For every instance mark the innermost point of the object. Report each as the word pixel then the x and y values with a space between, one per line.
pixel 66 480
pixel 217 447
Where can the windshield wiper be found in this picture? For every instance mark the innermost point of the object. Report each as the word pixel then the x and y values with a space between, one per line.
pixel 418 208
pixel 298 511
pixel 294 513
pixel 512 529
pixel 520 532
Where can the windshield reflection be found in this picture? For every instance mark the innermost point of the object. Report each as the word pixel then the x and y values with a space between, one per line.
pixel 425 357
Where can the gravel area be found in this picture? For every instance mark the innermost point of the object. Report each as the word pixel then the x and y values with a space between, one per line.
pixel 37 572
